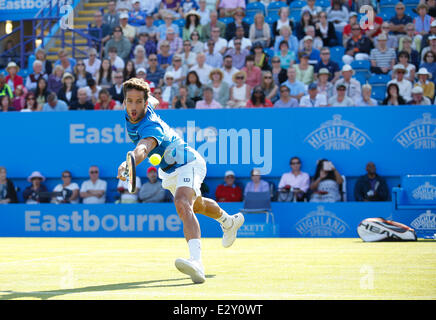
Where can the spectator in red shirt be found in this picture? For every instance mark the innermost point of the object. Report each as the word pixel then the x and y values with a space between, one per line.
pixel 228 192
pixel 254 74
pixel 258 99
pixel 13 80
pixel 105 101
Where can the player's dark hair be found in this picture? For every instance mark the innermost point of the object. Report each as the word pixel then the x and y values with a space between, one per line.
pixel 137 84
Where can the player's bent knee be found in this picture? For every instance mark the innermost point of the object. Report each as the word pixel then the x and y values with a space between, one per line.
pixel 183 207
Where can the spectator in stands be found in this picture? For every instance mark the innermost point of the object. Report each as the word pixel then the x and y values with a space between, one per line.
pixel 100 31
pixel 260 31
pixel 150 7
pixel 147 35
pixel 169 89
pixel 81 75
pixel 68 92
pixel 424 82
pixel 352 86
pixel 296 179
pixel 404 85
pixel 213 58
pixel 6 104
pixel 82 102
pixel 229 191
pixel 221 89
pixel 400 20
pixel 254 74
pixel 201 68
pixel 158 95
pixel 256 184
pixel 181 100
pixel 286 35
pixel 4 87
pixel 392 41
pixel 305 21
pixel 175 42
pixel 393 96
pixel 111 16
pixel 297 88
pixel 371 186
pixel 238 54
pixel 346 33
pixel 19 100
pixel 313 9
pixel 403 59
pixel 194 86
pixel 204 12
pixel 304 71
pixel 382 58
pixel 125 195
pixel 283 20
pixel 239 35
pixel 214 22
pixel 188 57
pixel 37 191
pixel 418 97
pixel 55 79
pixel 279 73
pixel 47 66
pixel 105 101
pixel 169 6
pixel 152 191
pixel 431 47
pixel 196 45
pixel 192 23
pixel 13 79
pixel 420 42
pixel 227 8
pixel 140 59
pixel 428 62
pixel 154 72
pixel 69 190
pixel 326 183
pixel 104 75
pixel 327 63
pixel 423 20
pixel 116 62
pixel 66 62
pixel 231 28
pixel 240 91
pixel 116 91
pixel 340 99
pixel 285 100
pixel 365 100
pixel 317 41
pixel 92 90
pixel 164 57
pixel 413 55
pixel 313 98
pixel 374 30
pixel 92 63
pixel 338 14
pixel 136 16
pixel 30 103
pixel 208 101
pixel 120 42
pixel 32 78
pixel 41 92
pixel 358 47
pixel 220 43
pixel 54 104
pixel 326 31
pixel 129 70
pixel 258 99
pixel 93 190
pixel 269 87
pixel 129 31
pixel 178 70
pixel 162 29
pixel 286 56
pixel 8 193
pixel 314 54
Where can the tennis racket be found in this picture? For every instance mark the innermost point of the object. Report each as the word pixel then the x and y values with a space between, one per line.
pixel 130 172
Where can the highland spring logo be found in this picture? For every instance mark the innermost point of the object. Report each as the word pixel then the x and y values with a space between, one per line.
pixel 420 134
pixel 337 134
pixel 424 222
pixel 425 192
pixel 321 223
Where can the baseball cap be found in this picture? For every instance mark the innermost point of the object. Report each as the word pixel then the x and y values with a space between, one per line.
pixel 312 86
pixel 433 24
pixel 124 15
pixel 141 70
pixel 417 90
pixel 340 85
pixel 307 38
pixel 255 172
pixel 382 36
pixel 229 173
pixel 151 169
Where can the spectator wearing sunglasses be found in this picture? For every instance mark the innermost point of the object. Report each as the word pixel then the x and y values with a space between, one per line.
pixel 69 189
pixel 93 190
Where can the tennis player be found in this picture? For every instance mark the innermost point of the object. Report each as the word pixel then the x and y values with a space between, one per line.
pixel 182 170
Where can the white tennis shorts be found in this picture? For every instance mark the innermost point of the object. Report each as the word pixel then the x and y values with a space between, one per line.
pixel 189 175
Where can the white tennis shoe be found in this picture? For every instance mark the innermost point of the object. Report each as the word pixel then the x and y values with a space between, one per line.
pixel 230 233
pixel 192 268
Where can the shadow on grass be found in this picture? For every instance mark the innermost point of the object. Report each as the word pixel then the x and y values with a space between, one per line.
pixel 161 283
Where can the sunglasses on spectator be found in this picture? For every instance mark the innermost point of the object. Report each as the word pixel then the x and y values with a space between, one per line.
pixel 31 98
pixel 267 77
pixel 152 59
pixel 284 90
pixel 240 78
pixel 66 176
pixel 274 61
pixel 292 163
pixel 93 172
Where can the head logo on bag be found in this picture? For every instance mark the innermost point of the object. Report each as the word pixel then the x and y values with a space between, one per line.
pixel 379 229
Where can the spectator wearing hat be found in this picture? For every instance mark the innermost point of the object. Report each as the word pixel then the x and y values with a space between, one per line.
pixel 13 79
pixel 237 22
pixel 68 92
pixel 83 101
pixel 296 179
pixel 365 100
pixel 55 79
pixel 297 88
pixel 353 87
pixel 53 104
pixel 285 100
pixel 327 63
pixel 129 31
pixel 192 23
pixel 208 101
pixel 399 21
pixel 358 47
pixel 404 58
pixel 154 72
pixel 393 96
pixel 152 191
pixel 313 98
pixel 382 58
pixel 229 191
pixel 325 86
pixel 37 191
pixel 427 86
pixel 404 85
pixel 325 30
pixel 430 47
pixel 120 42
pixel 213 58
pixel 7 188
pixel 340 99
pixel 424 40
pixel 423 20
pixel 257 184
pixel 304 69
pixel 313 53
pixel 93 190
pixel 391 41
pixel 317 41
pixel 418 97
pixel 221 90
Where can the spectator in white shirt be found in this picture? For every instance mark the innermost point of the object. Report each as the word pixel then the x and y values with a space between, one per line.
pixel 125 195
pixel 202 68
pixel 313 99
pixel 298 180
pixel 404 85
pixel 93 191
pixel 68 186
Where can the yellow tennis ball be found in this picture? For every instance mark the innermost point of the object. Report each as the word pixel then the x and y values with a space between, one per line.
pixel 155 159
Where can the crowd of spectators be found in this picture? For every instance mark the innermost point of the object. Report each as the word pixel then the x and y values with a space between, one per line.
pixel 210 54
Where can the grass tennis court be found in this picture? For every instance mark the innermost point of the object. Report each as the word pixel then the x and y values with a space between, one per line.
pixel 143 268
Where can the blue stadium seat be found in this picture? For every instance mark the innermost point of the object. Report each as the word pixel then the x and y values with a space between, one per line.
pixel 336 53
pixel 248 19
pixel 295 15
pixel 388 3
pixel 297 4
pixel 269 52
pixel 226 20
pixel 378 93
pixel 157 23
pixel 361 76
pixel 271 19
pixel 379 79
pixel 273 7
pixel 387 14
pixel 411 2
pixel 180 23
pixel 361 65
pixel 323 4
pixel 339 36
pixel 254 7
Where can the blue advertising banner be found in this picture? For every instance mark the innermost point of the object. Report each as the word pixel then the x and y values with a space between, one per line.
pixel 161 220
pixel 400 140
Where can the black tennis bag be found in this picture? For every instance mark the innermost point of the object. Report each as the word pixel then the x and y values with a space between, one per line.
pixel 379 229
